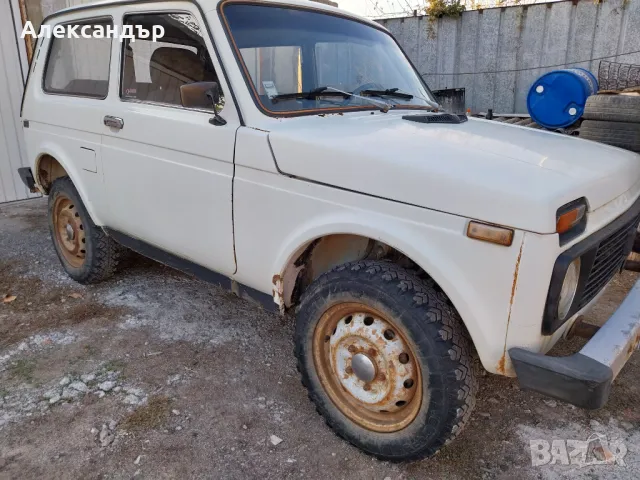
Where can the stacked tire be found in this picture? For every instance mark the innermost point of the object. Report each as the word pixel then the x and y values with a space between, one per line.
pixel 613 119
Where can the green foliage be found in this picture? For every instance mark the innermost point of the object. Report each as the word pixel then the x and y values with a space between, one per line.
pixel 444 8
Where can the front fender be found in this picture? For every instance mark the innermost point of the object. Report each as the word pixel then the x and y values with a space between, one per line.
pixel 477 277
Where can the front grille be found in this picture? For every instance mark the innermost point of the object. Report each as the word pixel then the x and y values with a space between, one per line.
pixel 609 258
pixel 602 255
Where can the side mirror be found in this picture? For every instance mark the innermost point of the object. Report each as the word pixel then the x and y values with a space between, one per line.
pixel 214 95
pixel 203 95
pixel 194 95
pixel 213 92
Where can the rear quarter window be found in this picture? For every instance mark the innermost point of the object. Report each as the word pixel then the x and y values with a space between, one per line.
pixel 79 66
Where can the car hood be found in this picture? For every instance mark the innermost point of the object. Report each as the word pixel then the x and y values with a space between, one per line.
pixel 479 169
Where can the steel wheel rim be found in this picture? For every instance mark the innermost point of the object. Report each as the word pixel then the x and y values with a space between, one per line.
pixel 389 402
pixel 69 231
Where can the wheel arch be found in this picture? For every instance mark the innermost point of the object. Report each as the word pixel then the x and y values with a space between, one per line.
pixel 52 163
pixel 335 244
pixel 47 169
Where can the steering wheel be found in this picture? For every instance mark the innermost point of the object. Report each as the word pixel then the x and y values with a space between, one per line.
pixel 361 88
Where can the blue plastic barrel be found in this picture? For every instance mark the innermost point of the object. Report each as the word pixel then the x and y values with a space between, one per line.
pixel 557 98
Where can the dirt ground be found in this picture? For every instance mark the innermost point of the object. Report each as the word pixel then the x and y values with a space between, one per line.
pixel 156 375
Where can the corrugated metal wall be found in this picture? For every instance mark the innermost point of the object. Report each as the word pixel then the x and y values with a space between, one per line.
pixel 12 66
pixel 13 71
pixel 496 54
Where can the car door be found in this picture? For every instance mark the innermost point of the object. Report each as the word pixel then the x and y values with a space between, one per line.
pixel 168 170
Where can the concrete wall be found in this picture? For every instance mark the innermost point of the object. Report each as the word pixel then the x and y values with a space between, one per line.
pixel 496 54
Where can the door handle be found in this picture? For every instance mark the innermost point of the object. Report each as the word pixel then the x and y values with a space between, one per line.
pixel 113 122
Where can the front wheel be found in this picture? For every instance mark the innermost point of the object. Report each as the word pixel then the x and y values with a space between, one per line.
pixel 385 359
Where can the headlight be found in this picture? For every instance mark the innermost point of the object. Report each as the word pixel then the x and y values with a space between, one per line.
pixel 569 287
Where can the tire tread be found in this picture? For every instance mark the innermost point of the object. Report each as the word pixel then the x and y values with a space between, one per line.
pixel 618 134
pixel 104 254
pixel 613 108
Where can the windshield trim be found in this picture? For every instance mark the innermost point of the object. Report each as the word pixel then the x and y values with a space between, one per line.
pixel 310 111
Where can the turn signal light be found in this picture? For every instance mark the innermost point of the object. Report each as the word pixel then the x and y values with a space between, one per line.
pixel 490 233
pixel 570 218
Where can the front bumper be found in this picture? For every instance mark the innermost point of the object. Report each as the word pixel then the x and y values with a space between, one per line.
pixel 584 379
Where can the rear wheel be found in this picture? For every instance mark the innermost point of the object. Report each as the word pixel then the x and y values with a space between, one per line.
pixel 385 359
pixel 87 254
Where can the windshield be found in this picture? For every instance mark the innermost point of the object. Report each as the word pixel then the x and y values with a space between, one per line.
pixel 299 60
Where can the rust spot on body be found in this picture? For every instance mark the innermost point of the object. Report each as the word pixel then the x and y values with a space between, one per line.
pixel 278 292
pixel 502 364
pixel 515 279
pixel 633 346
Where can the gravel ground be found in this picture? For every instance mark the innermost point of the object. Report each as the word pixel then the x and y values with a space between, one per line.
pixel 156 375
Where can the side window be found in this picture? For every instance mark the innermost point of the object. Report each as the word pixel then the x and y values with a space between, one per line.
pixel 157 71
pixel 79 66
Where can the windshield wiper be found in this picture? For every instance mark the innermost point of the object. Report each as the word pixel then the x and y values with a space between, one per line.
pixel 330 91
pixel 389 92
pixel 311 95
pixel 393 92
pixel 326 91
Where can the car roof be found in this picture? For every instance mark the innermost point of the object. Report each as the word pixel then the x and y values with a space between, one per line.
pixel 208 5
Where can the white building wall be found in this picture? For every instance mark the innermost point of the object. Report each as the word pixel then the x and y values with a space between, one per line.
pixel 13 73
pixel 13 69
